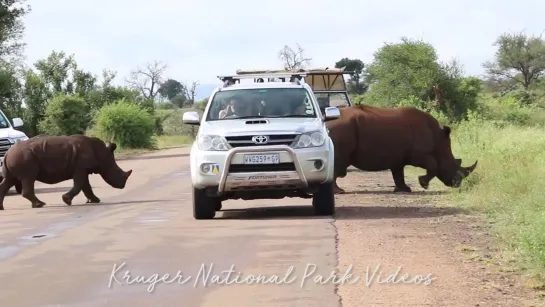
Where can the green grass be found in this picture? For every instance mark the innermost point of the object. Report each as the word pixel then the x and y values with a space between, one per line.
pixel 169 141
pixel 163 142
pixel 507 186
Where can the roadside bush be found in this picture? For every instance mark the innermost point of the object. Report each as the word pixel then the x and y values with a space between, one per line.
pixel 127 124
pixel 507 185
pixel 167 105
pixel 65 115
pixel 508 110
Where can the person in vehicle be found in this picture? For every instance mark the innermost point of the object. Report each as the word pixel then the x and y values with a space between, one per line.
pixel 239 108
pixel 228 109
pixel 300 108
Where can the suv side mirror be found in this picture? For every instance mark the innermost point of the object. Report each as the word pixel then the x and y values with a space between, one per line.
pixel 332 113
pixel 17 122
pixel 191 118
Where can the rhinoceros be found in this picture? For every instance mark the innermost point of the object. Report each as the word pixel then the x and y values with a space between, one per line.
pixel 53 159
pixel 377 139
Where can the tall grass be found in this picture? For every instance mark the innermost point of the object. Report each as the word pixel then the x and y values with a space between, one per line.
pixel 508 184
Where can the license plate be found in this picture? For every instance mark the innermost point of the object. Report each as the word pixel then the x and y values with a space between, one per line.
pixel 262 159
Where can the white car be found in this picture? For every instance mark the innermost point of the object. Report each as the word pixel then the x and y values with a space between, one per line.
pixel 272 143
pixel 8 137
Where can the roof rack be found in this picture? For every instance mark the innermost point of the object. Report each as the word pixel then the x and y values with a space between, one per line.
pixel 294 77
pixel 297 76
pixel 310 71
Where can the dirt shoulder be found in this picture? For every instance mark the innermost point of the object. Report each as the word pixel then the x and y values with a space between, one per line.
pixel 379 228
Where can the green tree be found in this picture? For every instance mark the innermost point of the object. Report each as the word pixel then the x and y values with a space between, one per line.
pixel 357 67
pixel 35 94
pixel 106 93
pixel 12 28
pixel 55 70
pixel 171 88
pixel 10 91
pixel 65 115
pixel 519 59
pixel 411 69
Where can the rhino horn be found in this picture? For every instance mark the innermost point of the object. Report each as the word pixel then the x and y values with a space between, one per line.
pixel 128 173
pixel 468 170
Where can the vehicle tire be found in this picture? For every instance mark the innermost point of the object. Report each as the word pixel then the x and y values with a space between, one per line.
pixel 218 205
pixel 323 200
pixel 19 188
pixel 204 207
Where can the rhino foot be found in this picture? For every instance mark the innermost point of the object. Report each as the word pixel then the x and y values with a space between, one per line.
pixel 405 189
pixel 338 190
pixel 38 204
pixel 1 207
pixel 67 199
pixel 93 200
pixel 424 182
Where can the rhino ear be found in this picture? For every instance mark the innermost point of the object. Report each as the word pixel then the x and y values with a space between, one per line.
pixel 446 131
pixel 111 146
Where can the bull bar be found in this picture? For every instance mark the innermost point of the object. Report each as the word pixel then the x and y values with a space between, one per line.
pixel 259 149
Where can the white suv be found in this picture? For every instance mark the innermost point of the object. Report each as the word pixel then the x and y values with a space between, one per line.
pixel 261 141
pixel 8 137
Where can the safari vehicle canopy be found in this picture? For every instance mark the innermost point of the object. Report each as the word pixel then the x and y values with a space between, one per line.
pixel 328 84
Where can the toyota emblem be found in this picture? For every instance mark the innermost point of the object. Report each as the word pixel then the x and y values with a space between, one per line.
pixel 260 139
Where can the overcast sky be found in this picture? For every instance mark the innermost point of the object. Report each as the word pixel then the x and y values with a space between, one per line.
pixel 202 39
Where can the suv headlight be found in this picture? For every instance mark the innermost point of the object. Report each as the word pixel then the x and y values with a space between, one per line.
pixel 310 139
pixel 212 143
pixel 18 139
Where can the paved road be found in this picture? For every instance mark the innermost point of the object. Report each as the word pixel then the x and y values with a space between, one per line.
pixel 64 255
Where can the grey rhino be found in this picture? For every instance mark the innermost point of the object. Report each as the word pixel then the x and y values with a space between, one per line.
pixel 53 159
pixel 376 139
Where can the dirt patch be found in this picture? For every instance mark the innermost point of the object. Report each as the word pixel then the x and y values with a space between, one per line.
pixel 383 232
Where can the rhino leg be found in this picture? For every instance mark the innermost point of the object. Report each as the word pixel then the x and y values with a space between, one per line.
pixel 399 179
pixel 5 185
pixel 430 165
pixel 28 193
pixel 79 182
pixel 88 191
pixel 336 188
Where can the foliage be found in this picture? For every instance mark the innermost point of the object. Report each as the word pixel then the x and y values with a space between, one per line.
pixel 127 124
pixel 519 58
pixel 171 88
pixel 12 13
pixel 411 69
pixel 357 66
pixel 507 184
pixel 65 115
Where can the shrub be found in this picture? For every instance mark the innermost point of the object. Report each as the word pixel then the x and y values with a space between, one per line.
pixel 508 184
pixel 127 124
pixel 508 110
pixel 65 115
pixel 167 105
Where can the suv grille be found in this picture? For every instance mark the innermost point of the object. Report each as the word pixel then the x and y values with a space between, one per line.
pixel 5 144
pixel 246 140
pixel 243 168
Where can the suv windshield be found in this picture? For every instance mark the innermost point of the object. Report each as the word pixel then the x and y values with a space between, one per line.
pixel 270 102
